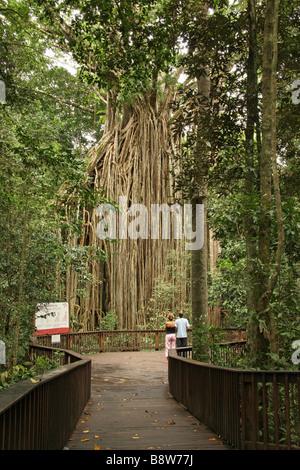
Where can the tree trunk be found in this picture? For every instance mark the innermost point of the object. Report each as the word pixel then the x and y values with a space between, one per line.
pixel 250 228
pixel 267 155
pixel 133 160
pixel 199 257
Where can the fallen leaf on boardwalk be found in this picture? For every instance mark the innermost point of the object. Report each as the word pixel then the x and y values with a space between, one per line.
pixel 87 430
pixel 96 437
pixel 170 422
pixel 122 380
pixel 35 381
pixel 212 439
pixel 96 447
pixel 84 440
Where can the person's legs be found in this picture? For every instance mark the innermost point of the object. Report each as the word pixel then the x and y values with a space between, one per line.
pixel 183 342
pixel 173 342
pixel 167 346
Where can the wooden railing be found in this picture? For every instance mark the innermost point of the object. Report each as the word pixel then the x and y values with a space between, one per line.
pixel 226 354
pixel 119 340
pixel 248 409
pixel 42 415
pixel 114 340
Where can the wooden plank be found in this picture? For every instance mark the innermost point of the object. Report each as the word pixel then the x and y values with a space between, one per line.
pixel 131 409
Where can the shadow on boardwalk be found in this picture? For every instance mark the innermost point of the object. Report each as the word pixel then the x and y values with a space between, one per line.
pixel 131 409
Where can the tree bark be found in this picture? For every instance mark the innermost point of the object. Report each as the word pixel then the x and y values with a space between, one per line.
pixel 199 257
pixel 250 228
pixel 268 154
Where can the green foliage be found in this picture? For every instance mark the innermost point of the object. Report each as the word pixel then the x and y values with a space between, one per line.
pixel 228 287
pixel 46 126
pixel 37 367
pixel 201 342
pixel 43 180
pixel 118 46
pixel 109 321
pixel 171 291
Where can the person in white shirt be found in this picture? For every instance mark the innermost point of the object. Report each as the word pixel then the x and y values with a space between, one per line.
pixel 181 327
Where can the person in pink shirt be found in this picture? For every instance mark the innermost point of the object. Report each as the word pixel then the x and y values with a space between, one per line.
pixel 170 335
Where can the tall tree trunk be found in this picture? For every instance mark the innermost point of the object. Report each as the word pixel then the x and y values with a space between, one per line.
pixel 199 294
pixel 267 155
pixel 251 134
pixel 276 186
pixel 199 257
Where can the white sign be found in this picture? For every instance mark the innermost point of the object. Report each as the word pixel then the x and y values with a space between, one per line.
pixel 52 318
pixel 55 339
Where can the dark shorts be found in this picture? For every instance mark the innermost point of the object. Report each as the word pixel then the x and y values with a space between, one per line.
pixel 181 342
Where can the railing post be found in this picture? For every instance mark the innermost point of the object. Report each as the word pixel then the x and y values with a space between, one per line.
pixel 240 334
pixel 100 341
pixel 68 341
pixel 156 340
pixel 249 425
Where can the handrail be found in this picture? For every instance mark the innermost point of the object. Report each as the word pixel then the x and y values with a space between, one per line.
pixel 249 409
pixel 116 340
pixel 42 415
pixel 109 340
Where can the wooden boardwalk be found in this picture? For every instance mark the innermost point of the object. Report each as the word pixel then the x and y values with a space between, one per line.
pixel 131 409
